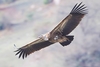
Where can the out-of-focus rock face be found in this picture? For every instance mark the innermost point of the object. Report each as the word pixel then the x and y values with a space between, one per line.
pixel 30 19
pixel 6 1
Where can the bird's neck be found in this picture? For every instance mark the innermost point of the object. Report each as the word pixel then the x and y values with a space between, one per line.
pixel 45 36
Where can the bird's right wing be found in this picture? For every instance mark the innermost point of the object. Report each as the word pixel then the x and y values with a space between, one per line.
pixel 32 47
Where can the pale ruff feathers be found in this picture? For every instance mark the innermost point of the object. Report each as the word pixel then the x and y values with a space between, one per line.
pixel 45 37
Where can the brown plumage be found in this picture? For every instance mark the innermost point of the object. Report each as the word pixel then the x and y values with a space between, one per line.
pixel 58 34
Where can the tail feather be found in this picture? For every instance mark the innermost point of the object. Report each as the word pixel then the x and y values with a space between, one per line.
pixel 70 39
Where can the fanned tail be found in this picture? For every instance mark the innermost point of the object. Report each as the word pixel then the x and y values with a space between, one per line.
pixel 70 39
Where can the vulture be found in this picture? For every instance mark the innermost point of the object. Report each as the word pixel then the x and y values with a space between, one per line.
pixel 59 34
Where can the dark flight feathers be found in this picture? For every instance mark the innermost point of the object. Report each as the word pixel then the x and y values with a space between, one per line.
pixel 75 16
pixel 32 47
pixel 79 9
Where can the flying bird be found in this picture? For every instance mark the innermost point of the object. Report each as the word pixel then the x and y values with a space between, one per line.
pixel 58 34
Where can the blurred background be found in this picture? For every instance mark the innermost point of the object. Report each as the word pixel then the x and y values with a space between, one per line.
pixel 22 21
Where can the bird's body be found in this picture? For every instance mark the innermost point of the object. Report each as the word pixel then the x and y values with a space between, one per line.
pixel 58 34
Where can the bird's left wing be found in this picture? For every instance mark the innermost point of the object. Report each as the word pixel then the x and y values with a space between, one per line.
pixel 71 21
pixel 32 47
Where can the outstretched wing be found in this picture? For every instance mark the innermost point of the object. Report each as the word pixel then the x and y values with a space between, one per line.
pixel 72 20
pixel 32 47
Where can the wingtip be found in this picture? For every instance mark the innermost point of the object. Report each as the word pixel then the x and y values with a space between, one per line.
pixel 21 53
pixel 79 9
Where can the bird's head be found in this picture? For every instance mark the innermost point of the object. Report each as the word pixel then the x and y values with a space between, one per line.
pixel 45 36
